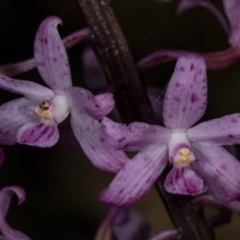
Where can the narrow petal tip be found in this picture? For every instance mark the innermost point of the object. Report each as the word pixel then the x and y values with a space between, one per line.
pixel 20 192
pixel 185 100
pixel 52 21
pixel 5 198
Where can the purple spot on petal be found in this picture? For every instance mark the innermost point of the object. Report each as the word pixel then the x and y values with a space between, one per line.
pixel 54 59
pixel 233 120
pixel 41 134
pixel 191 67
pixel 177 84
pixel 176 99
pixel 224 167
pixel 230 136
pixel 181 69
pixel 96 105
pixel 149 180
pixel 120 191
pixel 45 41
pixel 40 125
pixel 92 147
pixel 146 158
pixel 121 139
pixel 194 98
pixel 31 133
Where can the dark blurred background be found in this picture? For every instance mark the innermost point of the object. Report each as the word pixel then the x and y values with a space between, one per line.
pixel 61 184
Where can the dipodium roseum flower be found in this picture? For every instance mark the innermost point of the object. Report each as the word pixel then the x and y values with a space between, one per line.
pixel 33 119
pixel 214 60
pixel 232 9
pixel 199 162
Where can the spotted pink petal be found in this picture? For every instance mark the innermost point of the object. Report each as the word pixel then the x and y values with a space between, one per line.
pixel 93 74
pixel 41 134
pixel 232 9
pixel 217 132
pixel 13 115
pixel 5 198
pixel 135 179
pixel 186 96
pixel 220 170
pixel 135 136
pixel 185 180
pixel 96 106
pixel 51 57
pixel 29 89
pixel 89 135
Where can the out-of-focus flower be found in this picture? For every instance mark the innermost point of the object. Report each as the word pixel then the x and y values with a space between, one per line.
pixel 5 198
pixel 33 119
pixel 214 60
pixel 125 224
pixel 199 162
pixel 94 77
pixel 232 9
pixel 128 224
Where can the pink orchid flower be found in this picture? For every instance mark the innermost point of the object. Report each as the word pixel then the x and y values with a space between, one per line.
pixel 33 119
pixel 199 162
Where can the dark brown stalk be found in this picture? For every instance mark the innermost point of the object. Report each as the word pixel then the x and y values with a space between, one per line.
pixel 114 55
pixel 117 61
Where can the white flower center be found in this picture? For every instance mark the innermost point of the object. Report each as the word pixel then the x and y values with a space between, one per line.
pixel 179 149
pixel 57 109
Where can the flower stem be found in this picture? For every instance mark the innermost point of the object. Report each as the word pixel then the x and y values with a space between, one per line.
pixel 113 52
